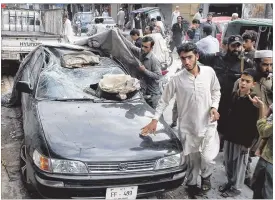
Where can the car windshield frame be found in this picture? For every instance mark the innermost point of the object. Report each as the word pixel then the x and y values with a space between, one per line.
pixel 81 85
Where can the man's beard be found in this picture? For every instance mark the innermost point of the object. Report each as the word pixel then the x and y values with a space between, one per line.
pixel 192 67
pixel 266 73
pixel 143 53
pixel 234 53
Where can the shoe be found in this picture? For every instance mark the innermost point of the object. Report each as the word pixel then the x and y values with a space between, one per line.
pixel 193 191
pixel 174 124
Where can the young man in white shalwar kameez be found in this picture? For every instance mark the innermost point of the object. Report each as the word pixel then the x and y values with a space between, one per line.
pixel 198 94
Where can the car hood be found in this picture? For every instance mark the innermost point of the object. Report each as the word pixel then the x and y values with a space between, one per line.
pixel 90 131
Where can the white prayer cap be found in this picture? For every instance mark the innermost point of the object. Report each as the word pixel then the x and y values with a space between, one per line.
pixel 263 54
pixel 177 6
pixel 120 9
pixel 235 15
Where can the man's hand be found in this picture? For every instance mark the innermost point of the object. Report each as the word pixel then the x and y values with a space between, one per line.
pixel 142 68
pixel 256 101
pixel 214 115
pixel 150 128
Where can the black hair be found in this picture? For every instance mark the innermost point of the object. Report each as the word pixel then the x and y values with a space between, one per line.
pixel 187 47
pixel 225 41
pixel 196 21
pixel 101 20
pixel 158 18
pixel 134 32
pixel 151 28
pixel 180 17
pixel 200 9
pixel 251 35
pixel 153 19
pixel 251 72
pixel 207 30
pixel 148 39
pixel 96 20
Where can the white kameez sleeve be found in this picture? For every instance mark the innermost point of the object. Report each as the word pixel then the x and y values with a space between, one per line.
pixel 166 96
pixel 215 91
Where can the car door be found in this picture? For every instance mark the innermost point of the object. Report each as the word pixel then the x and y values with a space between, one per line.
pixel 30 74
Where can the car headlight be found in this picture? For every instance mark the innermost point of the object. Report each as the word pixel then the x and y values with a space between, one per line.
pixel 58 166
pixel 169 162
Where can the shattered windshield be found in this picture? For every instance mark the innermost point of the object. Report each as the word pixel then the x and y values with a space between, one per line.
pixel 57 82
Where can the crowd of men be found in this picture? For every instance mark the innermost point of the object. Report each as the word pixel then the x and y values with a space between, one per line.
pixel 222 104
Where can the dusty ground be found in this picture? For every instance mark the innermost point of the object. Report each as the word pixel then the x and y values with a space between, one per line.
pixel 11 136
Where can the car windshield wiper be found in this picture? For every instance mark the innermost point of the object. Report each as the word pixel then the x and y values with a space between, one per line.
pixel 114 101
pixel 73 99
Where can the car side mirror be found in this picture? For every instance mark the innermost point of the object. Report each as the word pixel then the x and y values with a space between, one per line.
pixel 23 86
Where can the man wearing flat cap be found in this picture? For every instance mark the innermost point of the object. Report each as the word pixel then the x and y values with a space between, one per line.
pixel 228 68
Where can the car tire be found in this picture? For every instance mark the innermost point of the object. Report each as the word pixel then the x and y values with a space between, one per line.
pixel 23 168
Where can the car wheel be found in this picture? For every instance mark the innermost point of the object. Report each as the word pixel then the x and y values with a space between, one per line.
pixel 23 168
pixel 170 59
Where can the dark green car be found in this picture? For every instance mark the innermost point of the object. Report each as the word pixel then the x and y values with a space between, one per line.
pixel 264 28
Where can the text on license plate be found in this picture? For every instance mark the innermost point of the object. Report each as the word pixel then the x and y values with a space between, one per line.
pixel 122 193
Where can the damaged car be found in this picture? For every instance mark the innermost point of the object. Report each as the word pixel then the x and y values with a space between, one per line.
pixel 81 141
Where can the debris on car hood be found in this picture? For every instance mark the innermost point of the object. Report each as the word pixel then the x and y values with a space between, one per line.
pixel 119 83
pixel 79 59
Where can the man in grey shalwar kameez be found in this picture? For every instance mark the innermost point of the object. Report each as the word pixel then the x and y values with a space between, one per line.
pixel 197 92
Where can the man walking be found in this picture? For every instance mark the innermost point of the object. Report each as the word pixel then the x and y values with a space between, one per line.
pixel 212 24
pixel 177 30
pixel 121 18
pixel 150 69
pixel 194 32
pixel 208 43
pixel 67 28
pixel 199 99
pixel 198 15
pixel 175 15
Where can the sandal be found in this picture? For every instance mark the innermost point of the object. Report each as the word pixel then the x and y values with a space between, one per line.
pixel 224 187
pixel 206 184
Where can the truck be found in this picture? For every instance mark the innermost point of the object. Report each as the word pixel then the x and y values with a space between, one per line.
pixel 23 30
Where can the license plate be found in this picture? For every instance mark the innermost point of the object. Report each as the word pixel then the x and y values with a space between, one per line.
pixel 122 193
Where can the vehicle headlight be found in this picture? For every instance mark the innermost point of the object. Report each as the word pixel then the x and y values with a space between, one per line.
pixel 169 162
pixel 58 166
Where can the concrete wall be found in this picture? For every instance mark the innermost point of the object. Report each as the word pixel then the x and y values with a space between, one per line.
pixel 257 11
